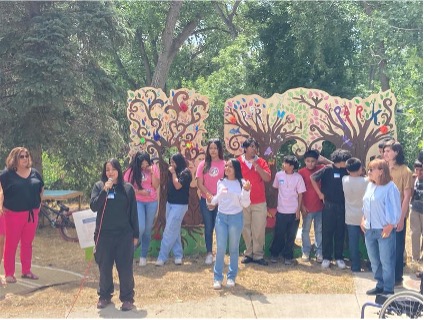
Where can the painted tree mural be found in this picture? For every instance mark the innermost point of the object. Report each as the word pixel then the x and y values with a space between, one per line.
pixel 310 117
pixel 160 124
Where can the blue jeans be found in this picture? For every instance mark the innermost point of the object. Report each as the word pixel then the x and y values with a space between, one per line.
pixel 306 229
pixel 382 252
pixel 209 217
pixel 146 216
pixel 171 238
pixel 354 234
pixel 227 227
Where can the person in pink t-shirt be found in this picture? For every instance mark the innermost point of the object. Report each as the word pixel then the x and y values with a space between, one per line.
pixel 144 176
pixel 290 187
pixel 208 173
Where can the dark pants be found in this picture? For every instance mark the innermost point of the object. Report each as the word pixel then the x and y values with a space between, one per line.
pixel 400 249
pixel 284 235
pixel 118 250
pixel 333 230
pixel 209 217
pixel 354 233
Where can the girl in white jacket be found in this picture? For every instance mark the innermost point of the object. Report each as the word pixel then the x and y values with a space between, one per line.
pixel 233 194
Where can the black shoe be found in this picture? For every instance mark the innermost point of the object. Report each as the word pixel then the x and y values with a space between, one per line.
pixel 246 260
pixel 374 291
pixel 262 262
pixel 103 303
pixel 127 306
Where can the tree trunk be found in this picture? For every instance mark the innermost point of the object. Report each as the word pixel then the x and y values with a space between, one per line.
pixel 37 157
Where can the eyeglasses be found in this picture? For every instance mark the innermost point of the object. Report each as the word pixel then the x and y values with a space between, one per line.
pixel 21 156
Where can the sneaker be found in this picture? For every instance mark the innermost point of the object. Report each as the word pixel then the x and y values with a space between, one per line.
pixel 159 263
pixel 325 264
pixel 288 262
pixel 230 283
pixel 305 257
pixel 209 258
pixel 274 259
pixel 143 262
pixel 319 258
pixel 261 262
pixel 246 260
pixel 178 261
pixel 217 284
pixel 127 306
pixel 341 264
pixel 103 303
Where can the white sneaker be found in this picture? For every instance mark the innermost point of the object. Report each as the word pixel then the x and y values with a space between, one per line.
pixel 159 263
pixel 305 257
pixel 230 283
pixel 319 258
pixel 178 261
pixel 209 258
pixel 217 285
pixel 325 264
pixel 341 264
pixel 143 262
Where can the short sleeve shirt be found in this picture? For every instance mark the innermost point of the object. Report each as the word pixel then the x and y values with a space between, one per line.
pixel 211 178
pixel 289 186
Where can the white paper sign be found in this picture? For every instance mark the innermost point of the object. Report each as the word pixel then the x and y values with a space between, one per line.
pixel 85 223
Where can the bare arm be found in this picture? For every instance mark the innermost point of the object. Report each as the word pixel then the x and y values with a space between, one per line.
pixel 299 204
pixel 202 187
pixel 155 180
pixel 407 194
pixel 265 175
pixel 1 200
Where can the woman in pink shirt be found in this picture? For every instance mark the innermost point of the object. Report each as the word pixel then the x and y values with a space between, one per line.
pixel 209 172
pixel 144 176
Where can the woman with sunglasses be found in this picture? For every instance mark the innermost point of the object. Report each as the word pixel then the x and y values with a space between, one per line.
pixel 381 208
pixel 22 190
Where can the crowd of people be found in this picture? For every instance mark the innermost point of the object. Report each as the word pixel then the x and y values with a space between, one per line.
pixel 335 194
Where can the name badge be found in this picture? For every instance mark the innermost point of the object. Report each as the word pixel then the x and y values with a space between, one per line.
pixel 336 175
pixel 111 195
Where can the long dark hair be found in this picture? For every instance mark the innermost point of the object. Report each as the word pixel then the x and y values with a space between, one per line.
pixel 208 158
pixel 135 167
pixel 116 165
pixel 180 162
pixel 237 171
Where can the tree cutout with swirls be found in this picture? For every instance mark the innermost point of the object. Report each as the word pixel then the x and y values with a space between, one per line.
pixel 159 123
pixel 309 117
pixel 356 125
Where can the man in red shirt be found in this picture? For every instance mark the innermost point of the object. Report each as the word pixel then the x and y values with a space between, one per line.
pixel 311 207
pixel 256 170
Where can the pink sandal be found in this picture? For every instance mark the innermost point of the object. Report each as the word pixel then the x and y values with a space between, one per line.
pixel 10 279
pixel 30 276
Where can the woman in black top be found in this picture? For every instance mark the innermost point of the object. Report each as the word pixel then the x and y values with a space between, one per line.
pixel 176 206
pixel 116 233
pixel 22 190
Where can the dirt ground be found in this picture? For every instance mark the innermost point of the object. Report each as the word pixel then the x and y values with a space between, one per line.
pixel 169 284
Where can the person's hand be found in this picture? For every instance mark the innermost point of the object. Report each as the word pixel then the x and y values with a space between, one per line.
pixel 297 214
pixel 144 192
pixel 363 225
pixel 135 241
pixel 171 169
pixel 400 225
pixel 321 196
pixel 387 229
pixel 247 185
pixel 1 211
pixel 108 185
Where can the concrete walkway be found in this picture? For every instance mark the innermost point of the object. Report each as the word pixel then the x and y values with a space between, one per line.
pixel 227 305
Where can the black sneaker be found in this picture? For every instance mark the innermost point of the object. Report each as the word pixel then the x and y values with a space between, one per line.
pixel 127 306
pixel 103 303
pixel 246 260
pixel 262 262
pixel 375 291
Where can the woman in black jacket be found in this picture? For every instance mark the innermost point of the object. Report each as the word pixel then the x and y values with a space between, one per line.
pixel 116 233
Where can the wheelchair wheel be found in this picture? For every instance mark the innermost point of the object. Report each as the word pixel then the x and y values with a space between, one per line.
pixel 405 304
